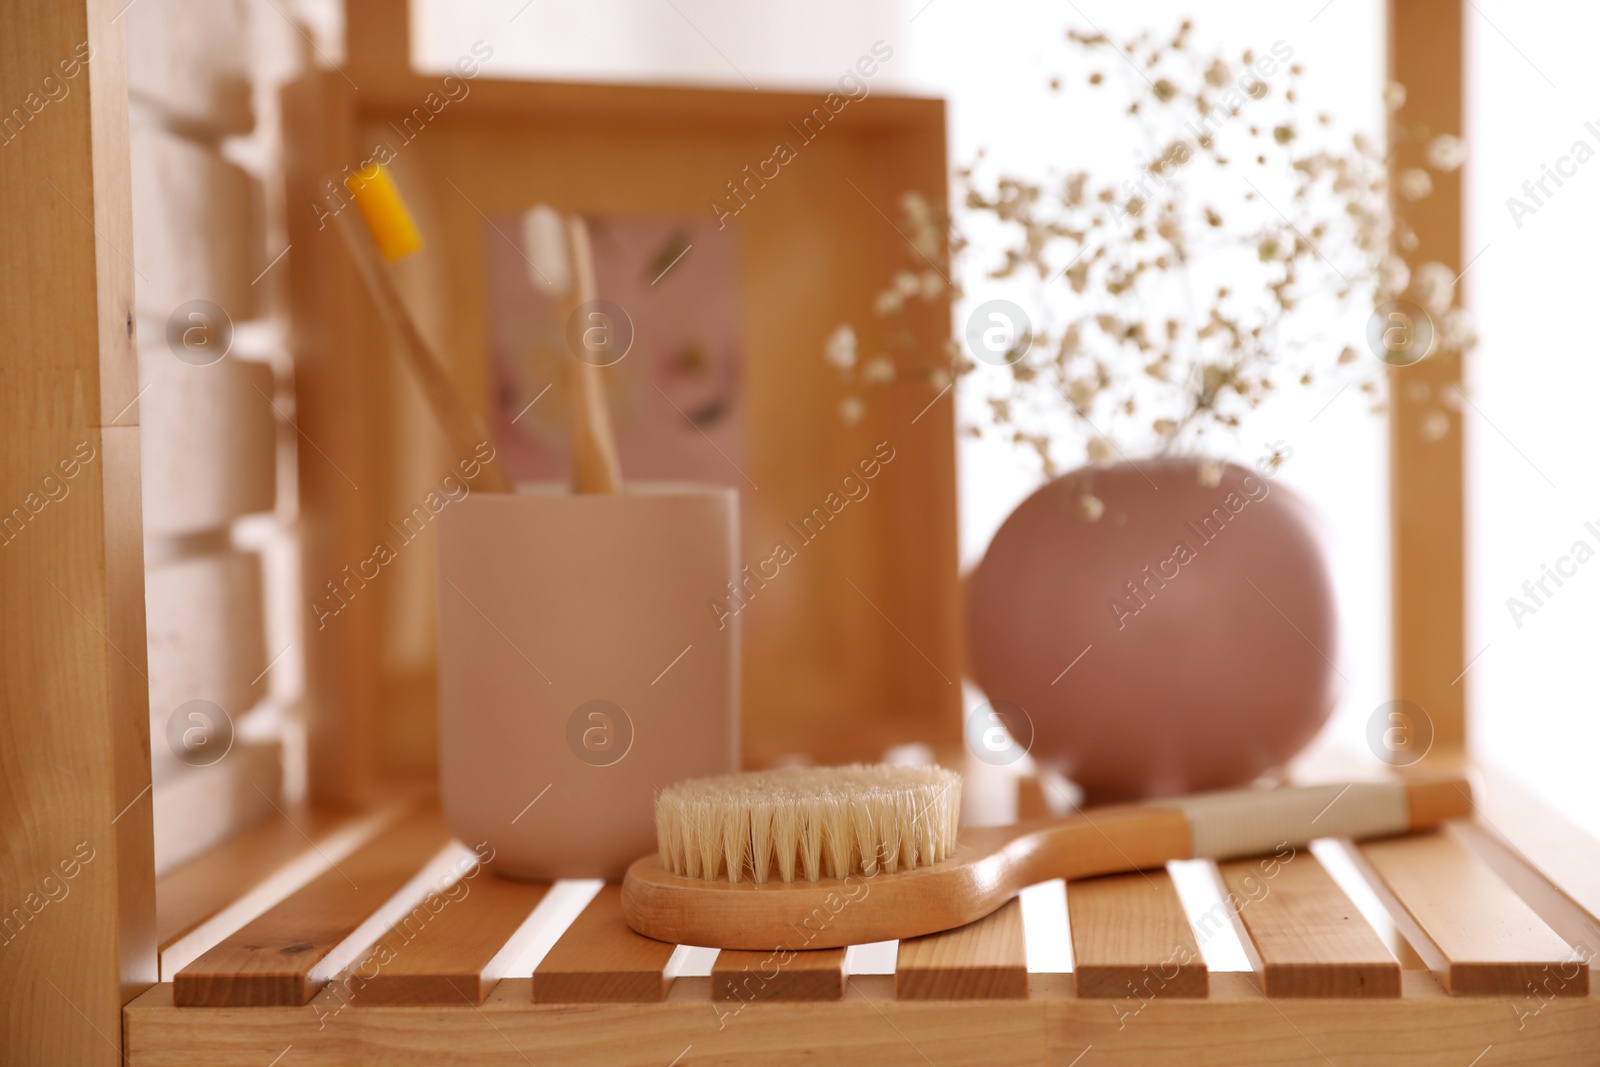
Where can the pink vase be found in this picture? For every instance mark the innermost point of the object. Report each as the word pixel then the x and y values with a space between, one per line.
pixel 1183 640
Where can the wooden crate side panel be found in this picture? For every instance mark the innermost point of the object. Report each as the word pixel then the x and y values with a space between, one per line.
pixel 1427 516
pixel 74 746
pixel 333 368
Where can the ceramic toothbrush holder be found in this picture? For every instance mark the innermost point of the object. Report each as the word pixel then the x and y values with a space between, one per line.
pixel 582 666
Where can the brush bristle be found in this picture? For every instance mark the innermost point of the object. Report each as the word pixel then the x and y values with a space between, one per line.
pixel 808 822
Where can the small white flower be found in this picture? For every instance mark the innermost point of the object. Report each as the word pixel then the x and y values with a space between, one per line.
pixel 1100 450
pixel 1457 331
pixel 851 409
pixel 1435 286
pixel 915 205
pixel 1091 507
pixel 932 284
pixel 1393 275
pixel 1211 474
pixel 1394 96
pixel 1435 425
pixel 841 348
pixel 888 302
pixel 906 283
pixel 1415 183
pixel 1446 152
pixel 878 370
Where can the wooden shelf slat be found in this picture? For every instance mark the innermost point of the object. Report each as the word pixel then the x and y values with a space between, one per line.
pixel 766 976
pixel 442 957
pixel 194 892
pixel 1569 920
pixel 1477 936
pixel 1303 936
pixel 268 961
pixel 600 961
pixel 1555 848
pixel 1131 937
pixel 986 960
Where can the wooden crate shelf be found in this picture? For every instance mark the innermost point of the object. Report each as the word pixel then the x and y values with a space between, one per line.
pixel 1236 1025
pixel 369 960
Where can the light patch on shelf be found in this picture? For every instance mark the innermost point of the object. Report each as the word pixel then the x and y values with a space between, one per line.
pixel 1342 869
pixel 1044 928
pixel 444 870
pixel 557 911
pixel 878 957
pixel 1209 914
pixel 690 961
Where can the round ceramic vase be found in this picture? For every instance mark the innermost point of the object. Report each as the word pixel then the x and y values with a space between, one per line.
pixel 1184 639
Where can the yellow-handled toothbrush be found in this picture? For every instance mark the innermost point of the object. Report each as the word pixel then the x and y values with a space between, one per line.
pixel 391 235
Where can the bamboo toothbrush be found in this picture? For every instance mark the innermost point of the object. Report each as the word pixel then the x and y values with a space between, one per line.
pixel 880 858
pixel 392 235
pixel 561 266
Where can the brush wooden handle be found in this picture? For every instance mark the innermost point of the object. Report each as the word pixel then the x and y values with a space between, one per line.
pixel 992 865
pixel 594 451
pixel 461 428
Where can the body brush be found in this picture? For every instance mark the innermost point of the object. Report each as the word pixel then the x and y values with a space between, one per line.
pixel 851 855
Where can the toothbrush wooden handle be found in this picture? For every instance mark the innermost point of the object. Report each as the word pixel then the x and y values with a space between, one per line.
pixel 461 428
pixel 594 451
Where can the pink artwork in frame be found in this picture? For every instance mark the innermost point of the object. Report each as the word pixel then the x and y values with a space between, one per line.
pixel 674 397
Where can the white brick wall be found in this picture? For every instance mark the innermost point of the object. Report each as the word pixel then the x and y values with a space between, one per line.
pixel 191 62
pixel 209 442
pixel 206 637
pixel 197 225
pixel 217 456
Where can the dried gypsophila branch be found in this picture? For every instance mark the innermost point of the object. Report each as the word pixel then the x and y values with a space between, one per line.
pixel 1131 372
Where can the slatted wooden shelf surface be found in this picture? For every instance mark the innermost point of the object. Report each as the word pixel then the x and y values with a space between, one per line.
pixel 378 957
pixel 1130 936
pixel 1304 936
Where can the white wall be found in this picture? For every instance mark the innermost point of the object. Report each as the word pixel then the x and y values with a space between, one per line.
pixel 1534 380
